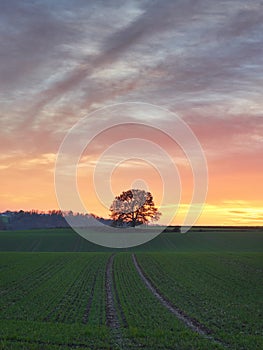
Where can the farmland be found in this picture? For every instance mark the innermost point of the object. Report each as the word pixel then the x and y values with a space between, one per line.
pixel 66 240
pixel 201 291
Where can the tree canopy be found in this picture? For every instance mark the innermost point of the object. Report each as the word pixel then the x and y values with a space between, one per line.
pixel 134 207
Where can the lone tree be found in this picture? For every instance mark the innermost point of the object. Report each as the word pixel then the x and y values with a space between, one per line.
pixel 134 207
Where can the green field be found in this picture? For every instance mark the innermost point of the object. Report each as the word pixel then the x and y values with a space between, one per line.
pixel 66 240
pixel 81 296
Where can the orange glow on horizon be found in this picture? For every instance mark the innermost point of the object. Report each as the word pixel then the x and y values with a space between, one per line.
pixel 29 184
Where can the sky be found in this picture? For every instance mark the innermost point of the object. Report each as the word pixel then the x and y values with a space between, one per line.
pixel 202 60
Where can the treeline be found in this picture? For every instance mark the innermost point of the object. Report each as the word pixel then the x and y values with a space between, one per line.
pixel 33 219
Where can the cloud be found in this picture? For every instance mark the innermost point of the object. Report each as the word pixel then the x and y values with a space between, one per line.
pixel 238 129
pixel 30 36
pixel 237 211
pixel 246 19
pixel 154 18
pixel 187 43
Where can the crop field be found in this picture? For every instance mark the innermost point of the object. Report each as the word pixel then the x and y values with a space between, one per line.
pixel 66 240
pixel 138 299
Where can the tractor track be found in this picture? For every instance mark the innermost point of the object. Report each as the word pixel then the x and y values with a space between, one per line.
pixel 191 323
pixel 112 320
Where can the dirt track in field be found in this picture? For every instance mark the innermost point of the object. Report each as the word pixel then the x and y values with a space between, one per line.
pixel 191 323
pixel 112 319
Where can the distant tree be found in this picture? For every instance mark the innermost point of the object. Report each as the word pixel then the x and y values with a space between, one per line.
pixel 4 222
pixel 134 207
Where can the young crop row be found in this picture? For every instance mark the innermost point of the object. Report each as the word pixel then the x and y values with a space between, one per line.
pixel 61 290
pixel 21 289
pixel 222 291
pixel 59 305
pixel 17 270
pixel 24 335
pixel 79 299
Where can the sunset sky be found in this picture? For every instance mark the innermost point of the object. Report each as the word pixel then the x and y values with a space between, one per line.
pixel 201 59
